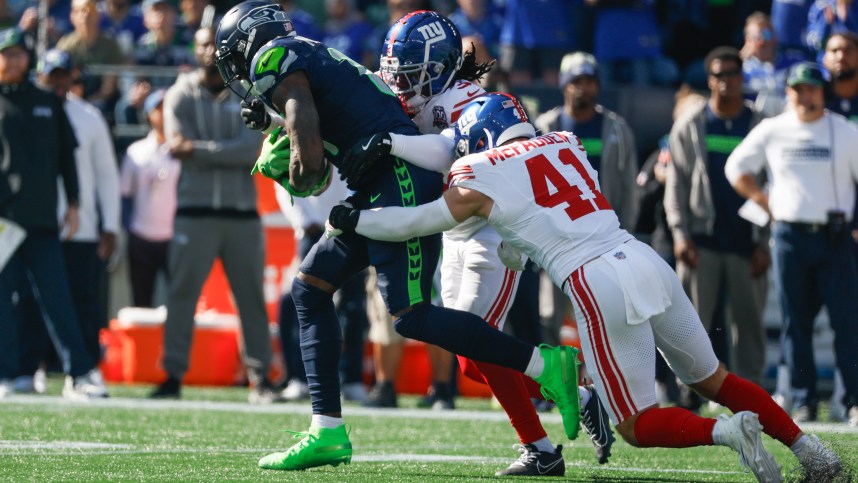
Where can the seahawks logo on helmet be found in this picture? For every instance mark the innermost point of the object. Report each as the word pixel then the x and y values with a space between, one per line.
pixel 263 15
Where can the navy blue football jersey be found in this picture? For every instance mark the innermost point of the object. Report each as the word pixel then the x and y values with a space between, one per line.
pixel 352 102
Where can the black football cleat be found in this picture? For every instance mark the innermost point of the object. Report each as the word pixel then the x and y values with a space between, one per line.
pixel 594 420
pixel 533 462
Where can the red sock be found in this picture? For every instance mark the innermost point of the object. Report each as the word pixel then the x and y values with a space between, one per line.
pixel 673 428
pixel 510 388
pixel 739 394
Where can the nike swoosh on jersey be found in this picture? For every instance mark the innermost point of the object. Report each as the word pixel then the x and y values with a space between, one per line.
pixel 373 198
pixel 365 146
pixel 472 94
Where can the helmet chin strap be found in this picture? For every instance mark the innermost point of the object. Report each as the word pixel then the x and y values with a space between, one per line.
pixel 413 105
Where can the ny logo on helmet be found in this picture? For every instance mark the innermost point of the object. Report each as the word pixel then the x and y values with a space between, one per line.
pixel 431 31
pixel 262 15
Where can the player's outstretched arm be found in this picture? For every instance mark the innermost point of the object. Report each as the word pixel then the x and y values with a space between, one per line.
pixel 308 166
pixel 428 151
pixel 399 224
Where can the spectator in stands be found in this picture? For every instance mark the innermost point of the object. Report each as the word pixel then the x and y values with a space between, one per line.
pixel 216 217
pixel 192 13
pixel 39 146
pixel 714 247
pixel 607 137
pixel 480 19
pixel 302 21
pixel 789 22
pixel 533 39
pixel 635 56
pixel 827 17
pixel 149 179
pixel 307 217
pixel 347 32
pixel 87 252
pixel 124 22
pixel 841 62
pixel 764 64
pixel 58 21
pixel 812 156
pixel 88 45
pixel 158 47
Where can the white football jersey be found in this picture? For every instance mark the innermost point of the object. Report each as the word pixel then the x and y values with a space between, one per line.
pixel 547 201
pixel 442 112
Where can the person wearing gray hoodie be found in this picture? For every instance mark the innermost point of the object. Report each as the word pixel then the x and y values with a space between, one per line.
pixel 216 216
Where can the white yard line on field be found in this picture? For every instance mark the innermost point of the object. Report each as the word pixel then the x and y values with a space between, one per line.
pixel 304 408
pixel 60 448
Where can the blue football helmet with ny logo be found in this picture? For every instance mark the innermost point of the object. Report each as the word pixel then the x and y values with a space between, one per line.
pixel 421 55
pixel 489 121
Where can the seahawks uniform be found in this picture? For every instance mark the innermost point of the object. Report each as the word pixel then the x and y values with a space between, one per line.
pixel 547 204
pixel 352 103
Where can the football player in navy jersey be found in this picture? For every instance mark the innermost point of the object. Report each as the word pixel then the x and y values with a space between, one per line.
pixel 320 103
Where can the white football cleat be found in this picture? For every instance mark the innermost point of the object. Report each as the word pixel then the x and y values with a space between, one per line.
pixel 85 387
pixel 818 462
pixel 742 433
pixel 7 388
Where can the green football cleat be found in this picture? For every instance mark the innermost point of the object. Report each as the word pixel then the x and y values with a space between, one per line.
pixel 559 381
pixel 318 447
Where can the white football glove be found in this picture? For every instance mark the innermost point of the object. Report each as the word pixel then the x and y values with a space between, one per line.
pixel 511 257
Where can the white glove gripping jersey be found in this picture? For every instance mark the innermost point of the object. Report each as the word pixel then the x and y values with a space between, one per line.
pixel 557 216
pixel 441 112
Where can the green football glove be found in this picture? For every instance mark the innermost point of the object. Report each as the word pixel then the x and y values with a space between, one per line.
pixel 273 161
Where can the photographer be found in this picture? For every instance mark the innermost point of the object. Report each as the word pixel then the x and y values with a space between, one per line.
pixel 812 157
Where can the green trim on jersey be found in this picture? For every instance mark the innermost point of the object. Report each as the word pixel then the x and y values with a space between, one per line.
pixel 415 253
pixel 593 146
pixel 722 144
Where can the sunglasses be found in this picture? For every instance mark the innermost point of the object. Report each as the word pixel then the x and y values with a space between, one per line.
pixel 727 74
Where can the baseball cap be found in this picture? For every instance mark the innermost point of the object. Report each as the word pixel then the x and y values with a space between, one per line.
pixel 147 4
pixel 153 101
pixel 577 64
pixel 10 37
pixel 55 59
pixel 805 73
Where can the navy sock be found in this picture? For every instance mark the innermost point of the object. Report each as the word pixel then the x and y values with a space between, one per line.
pixel 321 343
pixel 465 334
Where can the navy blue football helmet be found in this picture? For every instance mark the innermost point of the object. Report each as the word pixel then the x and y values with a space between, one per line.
pixel 421 54
pixel 242 32
pixel 489 121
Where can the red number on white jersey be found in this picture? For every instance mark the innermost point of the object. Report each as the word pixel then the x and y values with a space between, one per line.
pixel 582 199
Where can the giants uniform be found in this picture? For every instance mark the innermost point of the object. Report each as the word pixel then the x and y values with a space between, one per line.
pixel 473 278
pixel 547 204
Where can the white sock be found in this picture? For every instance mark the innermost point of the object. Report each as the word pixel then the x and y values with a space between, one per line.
pixel 544 445
pixel 584 396
pixel 536 364
pixel 799 445
pixel 327 422
pixel 716 432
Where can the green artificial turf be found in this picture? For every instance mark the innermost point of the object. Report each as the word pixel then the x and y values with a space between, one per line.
pixel 213 435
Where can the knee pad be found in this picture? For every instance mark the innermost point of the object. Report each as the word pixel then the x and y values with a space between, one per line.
pixel 411 323
pixel 308 297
